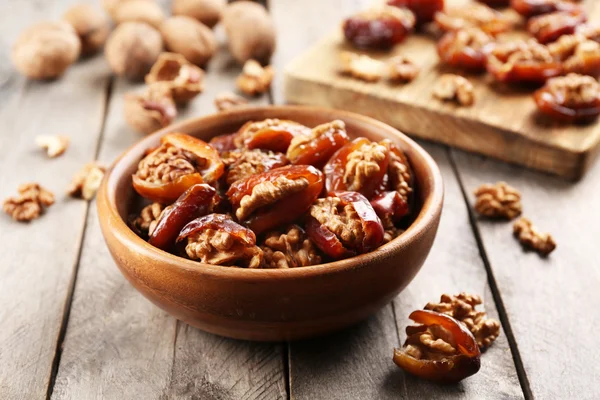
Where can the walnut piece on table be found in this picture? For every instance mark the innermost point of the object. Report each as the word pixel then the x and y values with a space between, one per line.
pixel 462 308
pixel 146 222
pixel 498 201
pixel 255 79
pixel 531 238
pixel 361 66
pixel 289 248
pixel 450 87
pixel 30 202
pixel 219 247
pixel 402 69
pixel 87 181
pixel 55 145
pixel 362 164
pixel 227 101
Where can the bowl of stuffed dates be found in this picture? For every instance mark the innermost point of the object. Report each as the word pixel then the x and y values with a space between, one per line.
pixel 272 223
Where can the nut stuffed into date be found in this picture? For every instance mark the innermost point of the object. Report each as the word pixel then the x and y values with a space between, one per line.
pixel 465 48
pixel 549 27
pixel 379 28
pixel 251 162
pixel 424 10
pixel 270 134
pixel 317 147
pixel 577 54
pixel 571 98
pixel 473 16
pixel 531 8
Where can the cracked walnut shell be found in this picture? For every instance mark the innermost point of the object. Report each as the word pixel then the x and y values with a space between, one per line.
pixel 227 100
pixel 254 78
pixel 87 181
pixel 498 201
pixel 206 11
pixel 190 38
pixel 30 202
pixel 531 238
pixel 150 111
pixel 289 248
pixel 91 25
pixel 361 66
pixel 452 87
pixel 54 145
pixel 45 50
pixel 184 79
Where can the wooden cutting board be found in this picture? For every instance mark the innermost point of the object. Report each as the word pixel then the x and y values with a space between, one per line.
pixel 503 122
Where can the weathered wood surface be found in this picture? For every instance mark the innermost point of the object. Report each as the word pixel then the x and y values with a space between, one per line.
pixel 513 132
pixel 39 259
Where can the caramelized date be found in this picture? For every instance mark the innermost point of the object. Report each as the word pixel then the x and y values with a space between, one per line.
pixel 572 98
pixel 224 143
pixel 473 16
pixel 441 349
pixel 531 8
pixel 195 202
pixel 578 54
pixel 549 27
pixel 465 48
pixel 379 28
pixel 495 3
pixel 271 199
pixel 390 205
pixel 270 134
pixel 424 10
pixel 180 162
pixel 359 166
pixel 318 147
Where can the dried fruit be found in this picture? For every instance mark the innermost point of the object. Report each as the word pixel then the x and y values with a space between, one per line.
pixel 440 349
pixel 45 50
pixel 498 201
pixel 344 224
pixel 195 202
pixel 224 143
pixel 571 98
pixel 402 69
pixel 473 16
pixel 270 134
pixel 145 223
pixel 531 238
pixel 379 28
pixel 55 145
pixel 30 202
pixel 578 54
pixel 462 308
pixel 465 48
pixel 289 248
pixel 145 11
pixel 361 66
pixel 190 38
pixel 522 61
pixel 252 162
pixel 227 101
pixel 91 25
pixel 317 146
pixel 180 162
pixel 250 31
pixel 359 166
pixel 184 79
pixel 271 199
pixel 86 181
pixel 132 49
pixel 495 3
pixel 424 10
pixel 255 79
pixel 549 27
pixel 206 11
pixel 150 111
pixel 531 8
pixel 216 239
pixel 451 87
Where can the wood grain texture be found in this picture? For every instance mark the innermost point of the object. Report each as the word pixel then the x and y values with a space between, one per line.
pixel 551 301
pixel 118 345
pixel 503 123
pixel 39 259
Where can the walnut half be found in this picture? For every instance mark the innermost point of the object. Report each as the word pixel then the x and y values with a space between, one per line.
pixel 87 181
pixel 531 238
pixel 255 79
pixel 30 202
pixel 289 248
pixel 55 145
pixel 498 201
pixel 454 88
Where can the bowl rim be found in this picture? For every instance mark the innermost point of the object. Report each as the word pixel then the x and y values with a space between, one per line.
pixel 106 203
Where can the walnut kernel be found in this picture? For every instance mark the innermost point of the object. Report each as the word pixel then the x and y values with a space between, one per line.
pixel 190 38
pixel 498 201
pixel 343 221
pixel 227 100
pixel 146 222
pixel 87 181
pixel 255 79
pixel 30 202
pixel 91 25
pixel 219 247
pixel 289 248
pixel 455 88
pixel 531 238
pixel 206 11
pixel 361 66
pixel 139 11
pixel 54 145
pixel 184 79
pixel 251 162
pixel 150 111
pixel 362 164
pixel 402 69
pixel 574 89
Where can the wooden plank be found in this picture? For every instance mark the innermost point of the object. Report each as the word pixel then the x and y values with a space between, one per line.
pixel 39 259
pixel 549 301
pixel 119 345
pixel 502 123
pixel 356 363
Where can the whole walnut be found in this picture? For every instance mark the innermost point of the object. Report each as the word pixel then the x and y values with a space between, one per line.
pixel 91 24
pixel 206 11
pixel 132 49
pixel 45 50
pixel 110 6
pixel 140 11
pixel 190 38
pixel 250 31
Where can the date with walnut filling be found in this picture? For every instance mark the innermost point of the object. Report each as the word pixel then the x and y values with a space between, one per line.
pixel 289 248
pixel 473 16
pixel 180 162
pixel 271 199
pixel 571 98
pixel 549 27
pixel 245 163
pixel 379 28
pixel 319 145
pixel 578 54
pixel 531 8
pixel 271 134
pixel 465 48
pixel 424 10
pixel 218 240
pixel 344 224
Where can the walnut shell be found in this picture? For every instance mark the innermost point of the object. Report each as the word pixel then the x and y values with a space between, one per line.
pixel 184 79
pixel 150 111
pixel 250 30
pixel 110 6
pixel 45 50
pixel 190 38
pixel 140 11
pixel 206 11
pixel 132 49
pixel 91 24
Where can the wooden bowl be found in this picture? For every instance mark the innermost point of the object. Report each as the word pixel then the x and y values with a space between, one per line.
pixel 271 304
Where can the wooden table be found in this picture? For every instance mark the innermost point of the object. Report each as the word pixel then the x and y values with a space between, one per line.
pixel 71 327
